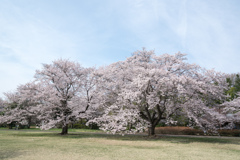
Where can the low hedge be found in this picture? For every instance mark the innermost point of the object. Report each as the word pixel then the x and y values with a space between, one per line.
pixel 178 130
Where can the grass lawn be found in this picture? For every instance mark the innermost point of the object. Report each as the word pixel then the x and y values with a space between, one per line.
pixel 34 144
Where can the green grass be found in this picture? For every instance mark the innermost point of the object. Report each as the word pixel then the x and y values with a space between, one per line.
pixel 57 130
pixel 34 144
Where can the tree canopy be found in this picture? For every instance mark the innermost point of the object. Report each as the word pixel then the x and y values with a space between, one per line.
pixel 125 97
pixel 147 89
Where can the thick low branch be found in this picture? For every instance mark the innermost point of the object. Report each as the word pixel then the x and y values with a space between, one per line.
pixel 143 116
pixel 85 109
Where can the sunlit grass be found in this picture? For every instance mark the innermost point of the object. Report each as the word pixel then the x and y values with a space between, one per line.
pixel 38 145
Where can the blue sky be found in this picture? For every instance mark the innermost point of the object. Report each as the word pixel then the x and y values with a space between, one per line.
pixel 99 32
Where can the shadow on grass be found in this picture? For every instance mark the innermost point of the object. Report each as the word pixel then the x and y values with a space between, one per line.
pixel 9 154
pixel 137 137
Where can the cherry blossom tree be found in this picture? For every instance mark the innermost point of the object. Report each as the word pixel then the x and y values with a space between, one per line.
pixel 66 93
pixel 145 89
pixel 9 108
pixel 62 93
pixel 19 106
pixel 125 97
pixel 232 108
pixel 1 106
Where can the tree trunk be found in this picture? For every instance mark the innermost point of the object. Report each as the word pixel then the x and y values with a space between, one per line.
pixel 129 126
pixel 29 122
pixel 64 130
pixel 17 126
pixel 10 126
pixel 151 130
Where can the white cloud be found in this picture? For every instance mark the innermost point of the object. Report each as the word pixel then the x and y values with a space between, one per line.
pixel 207 31
pixel 210 41
pixel 26 43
